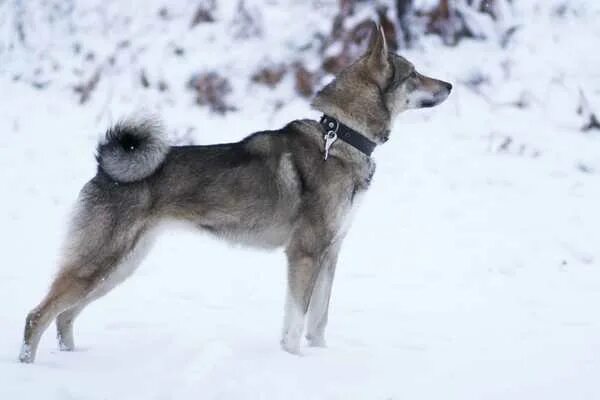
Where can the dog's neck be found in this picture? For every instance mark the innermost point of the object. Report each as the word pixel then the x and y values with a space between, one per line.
pixel 334 130
pixel 369 116
pixel 356 162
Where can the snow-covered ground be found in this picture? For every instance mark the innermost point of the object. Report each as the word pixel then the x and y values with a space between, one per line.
pixel 472 270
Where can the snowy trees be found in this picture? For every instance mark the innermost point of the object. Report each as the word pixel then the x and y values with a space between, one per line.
pixel 213 52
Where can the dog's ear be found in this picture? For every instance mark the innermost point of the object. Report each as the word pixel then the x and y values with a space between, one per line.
pixel 377 52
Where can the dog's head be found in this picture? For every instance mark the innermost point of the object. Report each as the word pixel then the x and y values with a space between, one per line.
pixel 376 88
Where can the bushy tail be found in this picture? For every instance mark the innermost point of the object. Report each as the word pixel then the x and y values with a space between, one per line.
pixel 132 150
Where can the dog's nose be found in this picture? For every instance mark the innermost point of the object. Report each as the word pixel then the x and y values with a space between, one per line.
pixel 448 86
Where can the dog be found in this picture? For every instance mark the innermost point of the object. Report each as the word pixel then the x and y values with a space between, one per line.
pixel 296 187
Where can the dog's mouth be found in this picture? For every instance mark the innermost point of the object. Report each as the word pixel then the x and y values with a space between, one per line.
pixel 436 99
pixel 428 103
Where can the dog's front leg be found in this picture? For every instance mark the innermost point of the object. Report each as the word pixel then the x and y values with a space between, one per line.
pixel 304 263
pixel 318 308
pixel 311 267
pixel 302 273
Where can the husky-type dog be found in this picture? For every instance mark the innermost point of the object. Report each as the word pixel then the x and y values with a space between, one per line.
pixel 295 188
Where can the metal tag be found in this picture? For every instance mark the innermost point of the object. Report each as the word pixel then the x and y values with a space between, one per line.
pixel 329 137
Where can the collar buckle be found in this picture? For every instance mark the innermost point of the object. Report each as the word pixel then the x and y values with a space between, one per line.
pixel 331 136
pixel 336 130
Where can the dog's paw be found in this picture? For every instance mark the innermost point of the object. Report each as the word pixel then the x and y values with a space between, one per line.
pixel 318 341
pixel 26 355
pixel 291 346
pixel 65 343
pixel 62 346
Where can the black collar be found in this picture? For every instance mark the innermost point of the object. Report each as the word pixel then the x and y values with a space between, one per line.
pixel 353 138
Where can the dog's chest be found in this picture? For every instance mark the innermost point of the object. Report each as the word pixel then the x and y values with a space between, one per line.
pixel 363 181
pixel 349 213
pixel 358 191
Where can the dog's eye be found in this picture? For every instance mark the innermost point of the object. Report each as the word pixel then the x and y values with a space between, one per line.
pixel 409 74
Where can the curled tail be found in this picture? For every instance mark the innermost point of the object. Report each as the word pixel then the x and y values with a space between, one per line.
pixel 132 150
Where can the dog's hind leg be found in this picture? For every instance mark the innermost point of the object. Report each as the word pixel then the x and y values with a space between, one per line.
pixel 77 286
pixel 101 251
pixel 64 327
pixel 318 309
pixel 65 292
pixel 122 270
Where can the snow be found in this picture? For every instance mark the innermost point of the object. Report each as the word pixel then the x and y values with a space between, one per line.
pixel 471 270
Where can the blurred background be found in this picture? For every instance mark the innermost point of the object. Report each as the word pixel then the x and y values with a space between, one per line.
pixel 219 54
pixel 480 278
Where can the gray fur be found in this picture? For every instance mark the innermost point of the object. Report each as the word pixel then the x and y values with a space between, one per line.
pixel 132 150
pixel 272 189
